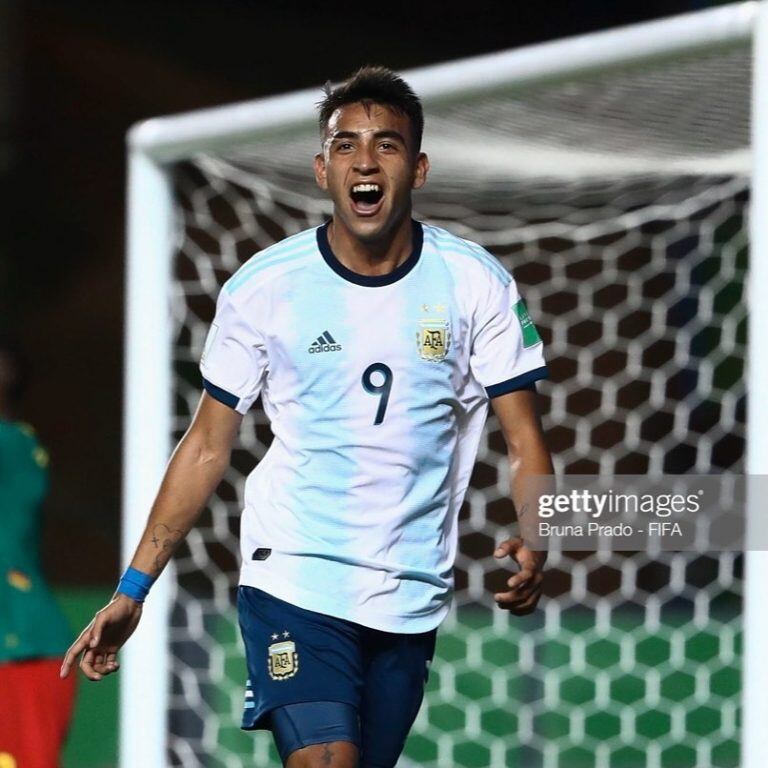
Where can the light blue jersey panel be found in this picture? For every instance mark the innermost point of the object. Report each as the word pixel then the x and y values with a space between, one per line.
pixel 312 393
pixel 428 388
pixel 376 388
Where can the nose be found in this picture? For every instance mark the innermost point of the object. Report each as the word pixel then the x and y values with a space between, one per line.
pixel 365 160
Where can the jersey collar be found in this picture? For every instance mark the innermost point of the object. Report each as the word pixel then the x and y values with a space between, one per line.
pixel 371 280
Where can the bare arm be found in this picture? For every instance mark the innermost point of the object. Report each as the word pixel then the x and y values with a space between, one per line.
pixel 195 469
pixel 529 459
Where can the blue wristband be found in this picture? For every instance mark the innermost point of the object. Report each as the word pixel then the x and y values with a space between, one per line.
pixel 135 584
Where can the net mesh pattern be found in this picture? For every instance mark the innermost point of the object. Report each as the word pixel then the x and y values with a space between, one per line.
pixel 636 282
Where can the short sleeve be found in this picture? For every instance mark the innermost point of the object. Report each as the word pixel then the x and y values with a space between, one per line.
pixel 234 358
pixel 507 351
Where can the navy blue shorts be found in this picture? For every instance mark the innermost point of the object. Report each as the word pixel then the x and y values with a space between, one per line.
pixel 296 656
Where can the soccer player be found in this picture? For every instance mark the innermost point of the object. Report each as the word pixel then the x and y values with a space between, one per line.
pixel 376 343
pixel 35 708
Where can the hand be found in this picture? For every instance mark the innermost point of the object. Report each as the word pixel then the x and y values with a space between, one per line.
pixel 103 637
pixel 525 585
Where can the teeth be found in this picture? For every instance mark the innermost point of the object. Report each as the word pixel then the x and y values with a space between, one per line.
pixel 366 188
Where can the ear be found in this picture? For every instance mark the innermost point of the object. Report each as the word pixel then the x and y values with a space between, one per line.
pixel 320 174
pixel 421 171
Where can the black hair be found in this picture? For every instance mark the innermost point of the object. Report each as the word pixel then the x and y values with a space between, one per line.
pixel 14 369
pixel 374 85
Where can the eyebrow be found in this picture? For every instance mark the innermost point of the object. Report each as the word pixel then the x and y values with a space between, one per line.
pixel 377 135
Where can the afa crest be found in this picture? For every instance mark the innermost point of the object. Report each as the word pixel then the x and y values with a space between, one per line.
pixel 283 660
pixel 433 339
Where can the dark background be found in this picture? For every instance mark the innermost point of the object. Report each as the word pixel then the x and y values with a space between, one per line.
pixel 73 77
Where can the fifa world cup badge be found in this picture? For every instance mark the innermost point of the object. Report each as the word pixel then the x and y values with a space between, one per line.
pixel 283 660
pixel 433 339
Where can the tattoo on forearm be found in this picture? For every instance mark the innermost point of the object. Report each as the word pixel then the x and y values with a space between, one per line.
pixel 327 756
pixel 165 539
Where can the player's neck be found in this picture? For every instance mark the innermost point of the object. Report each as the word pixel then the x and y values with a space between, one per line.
pixel 379 257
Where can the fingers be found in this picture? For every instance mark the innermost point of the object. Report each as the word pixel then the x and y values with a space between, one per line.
pixel 522 578
pixel 108 663
pixel 523 596
pixel 87 665
pixel 508 548
pixel 98 627
pixel 100 662
pixel 523 610
pixel 75 650
pixel 520 551
pixel 96 661
pixel 525 586
pixel 101 639
pixel 515 598
pixel 519 605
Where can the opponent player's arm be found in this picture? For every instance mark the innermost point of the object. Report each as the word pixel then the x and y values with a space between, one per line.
pixel 529 461
pixel 195 469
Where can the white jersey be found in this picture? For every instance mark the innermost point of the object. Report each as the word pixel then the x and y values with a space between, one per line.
pixel 377 389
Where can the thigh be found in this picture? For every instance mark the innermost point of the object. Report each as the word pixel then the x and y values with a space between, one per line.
pixel 396 667
pixel 317 733
pixel 295 656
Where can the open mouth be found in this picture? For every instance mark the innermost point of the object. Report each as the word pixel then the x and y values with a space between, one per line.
pixel 366 198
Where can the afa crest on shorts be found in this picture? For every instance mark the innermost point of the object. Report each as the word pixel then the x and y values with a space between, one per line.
pixel 433 339
pixel 282 660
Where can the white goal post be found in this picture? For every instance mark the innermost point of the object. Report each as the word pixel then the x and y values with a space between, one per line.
pixel 156 144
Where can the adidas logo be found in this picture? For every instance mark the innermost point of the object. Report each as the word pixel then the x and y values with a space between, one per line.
pixel 324 343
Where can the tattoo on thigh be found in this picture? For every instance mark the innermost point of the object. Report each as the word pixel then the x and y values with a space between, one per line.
pixel 327 755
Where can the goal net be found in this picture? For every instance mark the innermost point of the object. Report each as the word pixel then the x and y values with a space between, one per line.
pixel 618 197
